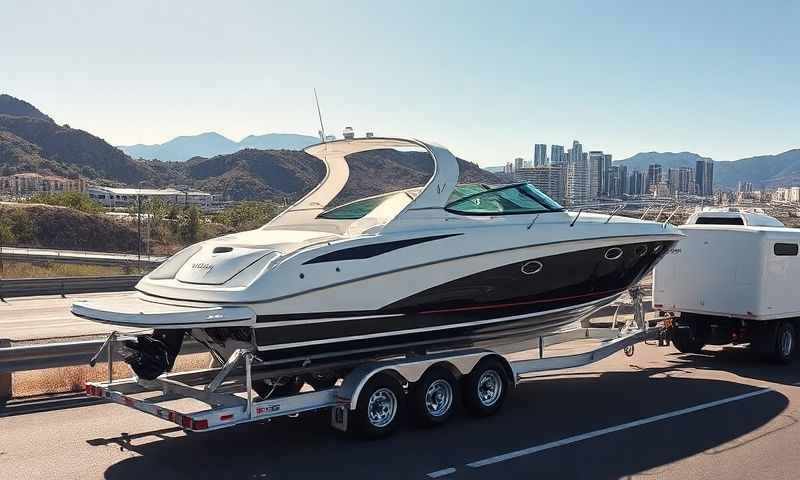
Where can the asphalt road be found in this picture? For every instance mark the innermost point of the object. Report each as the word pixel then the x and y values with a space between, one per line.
pixel 37 318
pixel 658 414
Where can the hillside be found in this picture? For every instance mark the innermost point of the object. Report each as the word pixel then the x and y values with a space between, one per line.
pixel 285 174
pixel 31 141
pixel 763 171
pixel 20 108
pixel 211 144
pixel 642 160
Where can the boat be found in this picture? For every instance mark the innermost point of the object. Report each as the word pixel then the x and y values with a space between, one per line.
pixel 440 266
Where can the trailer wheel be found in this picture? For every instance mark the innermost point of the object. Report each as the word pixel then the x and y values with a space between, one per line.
pixel 486 387
pixel 380 408
pixel 434 396
pixel 785 342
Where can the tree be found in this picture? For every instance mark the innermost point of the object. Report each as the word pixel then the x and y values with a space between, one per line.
pixel 247 215
pixel 6 234
pixel 74 200
pixel 189 223
pixel 156 210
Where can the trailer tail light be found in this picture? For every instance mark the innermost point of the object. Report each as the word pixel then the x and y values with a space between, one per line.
pixel 88 389
pixel 186 422
pixel 199 424
pixel 225 418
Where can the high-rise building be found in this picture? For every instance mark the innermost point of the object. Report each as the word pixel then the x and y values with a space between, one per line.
pixel 673 180
pixel 556 154
pixel 550 179
pixel 519 163
pixel 653 177
pixel 539 155
pixel 597 174
pixel 622 181
pixel 578 186
pixel 636 184
pixel 704 177
pixel 576 152
pixel 606 169
pixel 686 180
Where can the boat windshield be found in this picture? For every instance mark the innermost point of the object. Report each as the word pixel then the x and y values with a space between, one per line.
pixel 359 209
pixel 507 200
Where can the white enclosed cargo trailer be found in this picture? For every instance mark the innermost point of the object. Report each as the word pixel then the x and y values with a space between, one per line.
pixel 732 279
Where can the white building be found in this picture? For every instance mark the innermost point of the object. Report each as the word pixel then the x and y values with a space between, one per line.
pixel 123 197
pixel 578 178
pixel 551 180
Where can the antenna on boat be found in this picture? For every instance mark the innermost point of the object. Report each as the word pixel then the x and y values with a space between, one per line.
pixel 319 113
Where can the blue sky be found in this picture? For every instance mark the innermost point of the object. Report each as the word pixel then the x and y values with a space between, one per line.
pixel 487 79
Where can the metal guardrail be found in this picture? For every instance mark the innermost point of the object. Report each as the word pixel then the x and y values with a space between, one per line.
pixel 26 254
pixel 54 355
pixel 26 287
pixel 68 354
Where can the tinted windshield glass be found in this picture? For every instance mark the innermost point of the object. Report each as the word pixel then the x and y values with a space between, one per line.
pixel 513 199
pixel 361 208
pixel 466 190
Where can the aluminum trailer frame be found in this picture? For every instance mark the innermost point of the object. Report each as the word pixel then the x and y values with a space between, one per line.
pixel 230 400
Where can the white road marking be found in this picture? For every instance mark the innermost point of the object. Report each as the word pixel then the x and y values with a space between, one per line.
pixel 442 472
pixel 617 428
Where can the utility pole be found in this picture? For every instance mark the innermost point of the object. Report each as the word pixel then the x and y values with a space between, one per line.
pixel 139 231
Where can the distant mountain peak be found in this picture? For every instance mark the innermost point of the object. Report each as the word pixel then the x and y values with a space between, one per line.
pixel 20 108
pixel 210 144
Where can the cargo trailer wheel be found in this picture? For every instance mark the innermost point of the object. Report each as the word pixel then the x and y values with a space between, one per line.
pixel 433 397
pixel 485 388
pixel 380 407
pixel 785 341
pixel 686 338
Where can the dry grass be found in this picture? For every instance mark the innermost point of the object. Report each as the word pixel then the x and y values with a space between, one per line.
pixel 73 379
pixel 42 270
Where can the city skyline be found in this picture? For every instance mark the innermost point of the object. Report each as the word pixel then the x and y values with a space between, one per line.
pixel 489 79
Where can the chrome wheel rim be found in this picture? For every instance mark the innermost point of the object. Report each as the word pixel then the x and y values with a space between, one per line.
pixel 786 343
pixel 490 387
pixel 439 398
pixel 382 407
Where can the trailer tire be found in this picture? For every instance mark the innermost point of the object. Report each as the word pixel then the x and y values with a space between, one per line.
pixel 486 388
pixel 380 407
pixel 785 343
pixel 434 397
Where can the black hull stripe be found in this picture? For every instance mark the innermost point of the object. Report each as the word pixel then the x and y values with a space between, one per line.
pixel 373 250
pixel 511 332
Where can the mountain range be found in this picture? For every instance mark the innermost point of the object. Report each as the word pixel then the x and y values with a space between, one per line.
pixel 31 141
pixel 763 171
pixel 210 144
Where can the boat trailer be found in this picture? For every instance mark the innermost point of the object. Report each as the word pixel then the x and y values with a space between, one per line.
pixel 372 394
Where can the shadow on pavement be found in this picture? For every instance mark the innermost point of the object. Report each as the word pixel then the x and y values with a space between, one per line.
pixel 539 411
pixel 45 403
pixel 737 360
